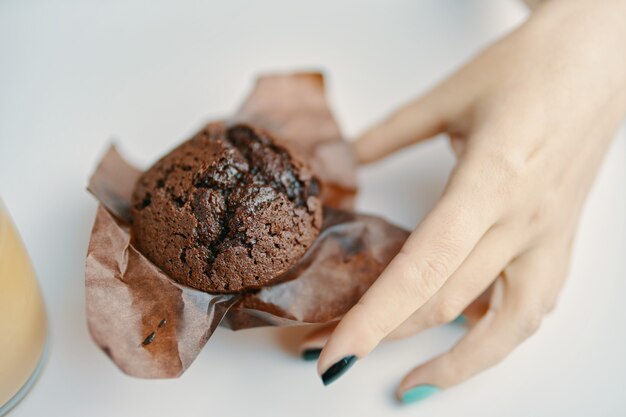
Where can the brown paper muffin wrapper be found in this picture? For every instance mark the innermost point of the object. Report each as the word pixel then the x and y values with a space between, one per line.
pixel 153 327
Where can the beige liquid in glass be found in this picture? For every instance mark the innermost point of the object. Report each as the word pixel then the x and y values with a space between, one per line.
pixel 22 317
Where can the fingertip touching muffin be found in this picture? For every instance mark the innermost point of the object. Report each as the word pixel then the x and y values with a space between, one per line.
pixel 227 211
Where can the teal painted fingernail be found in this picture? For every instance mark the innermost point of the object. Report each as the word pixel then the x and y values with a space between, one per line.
pixel 311 354
pixel 418 393
pixel 338 368
pixel 460 320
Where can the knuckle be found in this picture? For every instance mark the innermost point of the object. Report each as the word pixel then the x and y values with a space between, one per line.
pixel 420 277
pixel 537 215
pixel 529 321
pixel 410 284
pixel 446 311
pixel 550 306
pixel 505 170
pixel 551 301
pixel 434 270
pixel 510 165
pixel 545 215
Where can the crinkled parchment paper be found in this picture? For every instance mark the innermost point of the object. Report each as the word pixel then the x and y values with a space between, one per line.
pixel 153 327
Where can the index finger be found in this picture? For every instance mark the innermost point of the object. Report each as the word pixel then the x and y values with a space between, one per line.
pixel 416 121
pixel 431 254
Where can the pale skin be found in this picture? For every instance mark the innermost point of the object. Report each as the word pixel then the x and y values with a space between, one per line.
pixel 529 119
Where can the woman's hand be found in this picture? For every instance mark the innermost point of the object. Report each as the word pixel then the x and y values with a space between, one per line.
pixel 530 119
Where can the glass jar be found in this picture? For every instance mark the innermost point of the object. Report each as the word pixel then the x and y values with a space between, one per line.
pixel 23 323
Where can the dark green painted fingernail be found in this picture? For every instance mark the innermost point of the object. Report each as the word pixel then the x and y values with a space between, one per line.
pixel 419 393
pixel 460 320
pixel 311 354
pixel 338 369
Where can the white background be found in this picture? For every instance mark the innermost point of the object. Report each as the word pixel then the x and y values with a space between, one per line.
pixel 74 75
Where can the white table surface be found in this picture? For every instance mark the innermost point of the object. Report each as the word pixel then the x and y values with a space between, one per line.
pixel 74 74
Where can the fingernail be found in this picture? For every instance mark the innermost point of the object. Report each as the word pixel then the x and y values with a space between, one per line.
pixel 460 320
pixel 338 369
pixel 311 354
pixel 419 393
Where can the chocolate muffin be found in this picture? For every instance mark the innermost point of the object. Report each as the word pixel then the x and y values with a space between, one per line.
pixel 227 211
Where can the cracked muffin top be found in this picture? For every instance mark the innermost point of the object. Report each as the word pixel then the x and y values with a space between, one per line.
pixel 227 211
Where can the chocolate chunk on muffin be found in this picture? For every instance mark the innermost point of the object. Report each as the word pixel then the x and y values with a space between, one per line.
pixel 227 211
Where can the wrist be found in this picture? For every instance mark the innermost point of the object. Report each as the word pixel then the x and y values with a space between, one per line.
pixel 589 37
pixel 535 4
